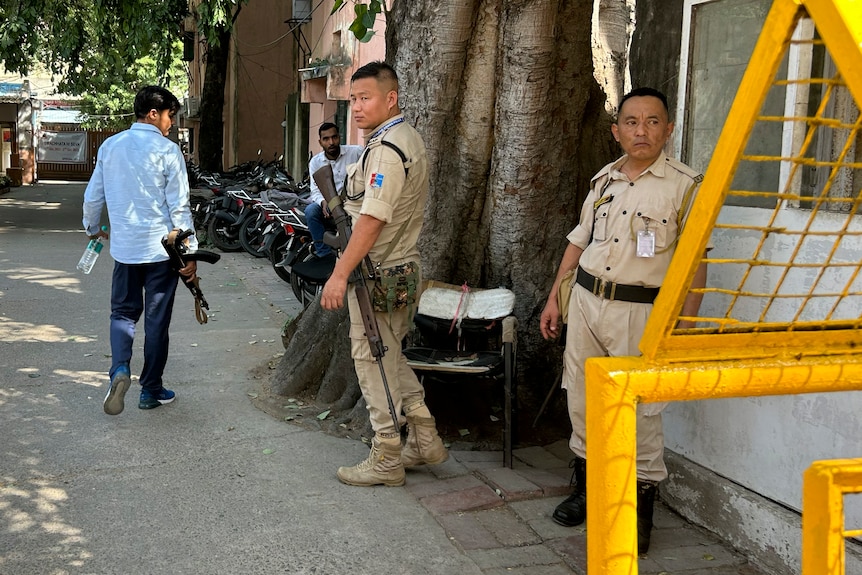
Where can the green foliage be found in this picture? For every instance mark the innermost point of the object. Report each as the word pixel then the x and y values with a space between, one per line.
pixel 214 17
pixel 89 44
pixel 365 16
pixel 111 108
pixel 92 44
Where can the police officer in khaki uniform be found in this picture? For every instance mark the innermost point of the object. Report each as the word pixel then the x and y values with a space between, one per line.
pixel 622 247
pixel 385 196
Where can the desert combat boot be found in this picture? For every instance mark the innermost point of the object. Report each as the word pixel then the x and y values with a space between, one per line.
pixel 423 444
pixel 382 467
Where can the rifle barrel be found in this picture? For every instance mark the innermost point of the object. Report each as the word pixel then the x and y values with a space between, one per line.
pixel 326 183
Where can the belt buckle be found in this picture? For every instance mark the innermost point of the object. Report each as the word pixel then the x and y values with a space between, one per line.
pixel 598 287
pixel 604 289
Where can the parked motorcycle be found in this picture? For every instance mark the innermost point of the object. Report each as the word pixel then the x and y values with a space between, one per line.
pixel 309 273
pixel 253 229
pixel 222 217
pixel 286 244
pixel 306 270
pixel 276 237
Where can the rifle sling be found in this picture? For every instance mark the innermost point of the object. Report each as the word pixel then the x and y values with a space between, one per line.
pixel 193 285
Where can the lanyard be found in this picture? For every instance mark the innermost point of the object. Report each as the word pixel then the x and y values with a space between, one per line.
pixel 382 129
pixel 385 127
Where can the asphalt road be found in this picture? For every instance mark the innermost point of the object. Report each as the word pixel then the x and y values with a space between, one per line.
pixel 205 485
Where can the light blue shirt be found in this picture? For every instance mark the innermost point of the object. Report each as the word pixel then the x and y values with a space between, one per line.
pixel 141 176
pixel 349 155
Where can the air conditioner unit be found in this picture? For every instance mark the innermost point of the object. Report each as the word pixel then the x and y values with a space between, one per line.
pixel 301 10
pixel 192 108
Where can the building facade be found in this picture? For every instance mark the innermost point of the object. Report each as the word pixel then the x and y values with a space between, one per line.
pixel 289 71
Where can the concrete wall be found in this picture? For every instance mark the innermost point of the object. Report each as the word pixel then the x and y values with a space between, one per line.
pixel 765 443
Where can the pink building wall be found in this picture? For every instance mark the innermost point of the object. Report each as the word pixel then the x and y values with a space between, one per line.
pixel 339 48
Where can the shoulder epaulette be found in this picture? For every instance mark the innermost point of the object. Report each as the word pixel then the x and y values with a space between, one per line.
pixel 603 172
pixel 380 141
pixel 684 169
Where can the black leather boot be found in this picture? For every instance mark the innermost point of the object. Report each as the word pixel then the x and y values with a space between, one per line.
pixel 646 501
pixel 573 511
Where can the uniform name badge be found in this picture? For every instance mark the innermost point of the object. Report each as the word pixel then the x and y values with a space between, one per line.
pixel 646 244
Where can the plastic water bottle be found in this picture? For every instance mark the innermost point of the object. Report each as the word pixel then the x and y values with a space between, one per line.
pixel 91 254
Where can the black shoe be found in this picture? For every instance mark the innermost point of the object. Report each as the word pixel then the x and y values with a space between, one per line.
pixel 153 399
pixel 572 511
pixel 646 501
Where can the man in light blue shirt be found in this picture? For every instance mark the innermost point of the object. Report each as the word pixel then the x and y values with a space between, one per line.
pixel 339 157
pixel 141 176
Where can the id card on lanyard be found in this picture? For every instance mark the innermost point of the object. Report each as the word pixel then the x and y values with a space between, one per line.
pixel 646 243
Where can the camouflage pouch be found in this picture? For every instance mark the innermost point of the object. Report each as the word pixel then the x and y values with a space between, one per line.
pixel 395 288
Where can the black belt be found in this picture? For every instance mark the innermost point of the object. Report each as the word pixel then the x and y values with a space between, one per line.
pixel 615 292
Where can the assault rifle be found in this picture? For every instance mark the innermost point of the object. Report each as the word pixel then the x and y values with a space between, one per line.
pixel 326 183
pixel 179 254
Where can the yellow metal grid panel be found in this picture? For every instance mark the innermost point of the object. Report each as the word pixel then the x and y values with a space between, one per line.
pixel 805 297
pixel 770 338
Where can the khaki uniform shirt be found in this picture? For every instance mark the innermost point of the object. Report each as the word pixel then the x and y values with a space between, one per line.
pixel 652 201
pixel 378 186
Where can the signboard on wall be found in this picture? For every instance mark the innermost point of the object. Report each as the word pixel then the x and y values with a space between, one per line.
pixel 62 147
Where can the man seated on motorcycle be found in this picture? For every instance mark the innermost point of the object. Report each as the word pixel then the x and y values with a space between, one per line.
pixel 339 157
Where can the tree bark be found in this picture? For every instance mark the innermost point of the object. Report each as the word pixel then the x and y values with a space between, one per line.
pixel 211 139
pixel 515 127
pixel 613 21
pixel 514 121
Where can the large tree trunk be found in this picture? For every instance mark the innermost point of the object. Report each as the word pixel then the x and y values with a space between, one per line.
pixel 658 32
pixel 612 23
pixel 515 127
pixel 211 137
pixel 504 95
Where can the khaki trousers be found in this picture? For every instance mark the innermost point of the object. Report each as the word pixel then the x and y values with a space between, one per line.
pixel 403 384
pixel 602 328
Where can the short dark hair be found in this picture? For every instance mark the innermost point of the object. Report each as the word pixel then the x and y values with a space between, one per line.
pixel 326 126
pixel 155 98
pixel 378 70
pixel 645 92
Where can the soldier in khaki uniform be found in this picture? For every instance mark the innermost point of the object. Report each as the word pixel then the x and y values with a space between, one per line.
pixel 385 196
pixel 622 247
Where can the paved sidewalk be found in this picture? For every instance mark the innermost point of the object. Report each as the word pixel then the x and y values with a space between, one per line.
pixel 212 485
pixel 501 518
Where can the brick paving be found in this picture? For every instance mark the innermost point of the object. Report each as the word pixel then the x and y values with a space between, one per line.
pixel 501 518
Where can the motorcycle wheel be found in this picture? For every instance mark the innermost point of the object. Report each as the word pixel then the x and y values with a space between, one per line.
pixel 249 234
pixel 302 290
pixel 276 254
pixel 220 234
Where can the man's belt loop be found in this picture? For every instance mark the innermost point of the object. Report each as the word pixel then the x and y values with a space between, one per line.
pixel 614 291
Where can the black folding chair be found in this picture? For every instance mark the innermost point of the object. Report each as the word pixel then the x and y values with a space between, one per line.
pixel 466 333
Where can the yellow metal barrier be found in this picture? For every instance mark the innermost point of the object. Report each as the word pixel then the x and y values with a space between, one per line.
pixel 799 339
pixel 617 385
pixel 824 485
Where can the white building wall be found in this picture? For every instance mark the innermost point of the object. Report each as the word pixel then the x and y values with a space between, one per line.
pixel 765 443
